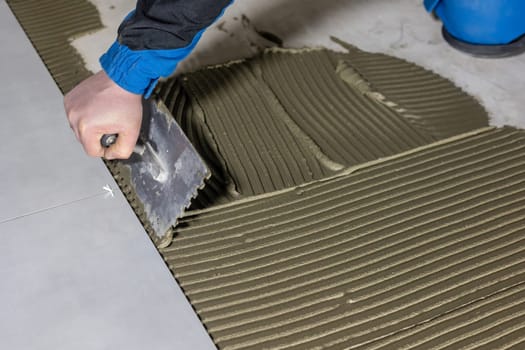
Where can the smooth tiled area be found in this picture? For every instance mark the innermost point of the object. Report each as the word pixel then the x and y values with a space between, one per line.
pixel 86 276
pixel 77 270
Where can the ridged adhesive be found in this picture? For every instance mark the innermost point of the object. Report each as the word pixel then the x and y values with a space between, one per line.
pixel 431 102
pixel 289 117
pixel 366 259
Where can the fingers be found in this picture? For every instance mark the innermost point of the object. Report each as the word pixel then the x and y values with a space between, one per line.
pixel 90 136
pixel 98 106
pixel 92 147
pixel 71 117
pixel 90 140
pixel 123 148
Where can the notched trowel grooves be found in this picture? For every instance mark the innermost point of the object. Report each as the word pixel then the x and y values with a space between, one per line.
pixel 494 322
pixel 432 103
pixel 337 126
pixel 262 153
pixel 348 127
pixel 220 188
pixel 248 201
pixel 356 80
pixel 298 133
pixel 365 257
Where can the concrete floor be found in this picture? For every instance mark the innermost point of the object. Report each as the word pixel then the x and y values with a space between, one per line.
pixel 401 28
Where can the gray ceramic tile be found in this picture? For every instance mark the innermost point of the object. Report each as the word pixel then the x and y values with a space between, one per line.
pixel 41 164
pixel 86 276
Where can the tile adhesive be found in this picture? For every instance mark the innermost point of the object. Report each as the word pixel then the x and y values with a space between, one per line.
pixel 357 200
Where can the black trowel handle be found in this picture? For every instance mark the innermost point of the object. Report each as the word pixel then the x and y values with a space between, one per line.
pixel 108 139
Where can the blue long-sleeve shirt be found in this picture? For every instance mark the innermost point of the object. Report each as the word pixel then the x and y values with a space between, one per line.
pixel 154 38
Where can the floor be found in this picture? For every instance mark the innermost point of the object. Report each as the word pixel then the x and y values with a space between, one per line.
pixel 53 199
pixel 77 269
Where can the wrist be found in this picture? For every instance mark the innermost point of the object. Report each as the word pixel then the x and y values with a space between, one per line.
pixel 121 66
pixel 138 71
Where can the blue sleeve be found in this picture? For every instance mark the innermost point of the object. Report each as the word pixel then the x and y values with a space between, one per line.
pixel 137 61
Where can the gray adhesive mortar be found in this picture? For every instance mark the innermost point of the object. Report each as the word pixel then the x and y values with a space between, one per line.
pixel 370 257
pixel 246 108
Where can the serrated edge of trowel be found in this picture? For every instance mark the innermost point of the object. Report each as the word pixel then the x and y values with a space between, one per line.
pixel 167 238
pixel 121 172
pixel 118 171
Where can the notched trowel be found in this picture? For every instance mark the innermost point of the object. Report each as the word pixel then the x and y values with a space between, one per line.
pixel 165 169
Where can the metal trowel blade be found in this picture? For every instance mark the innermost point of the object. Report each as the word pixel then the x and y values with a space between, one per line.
pixel 168 171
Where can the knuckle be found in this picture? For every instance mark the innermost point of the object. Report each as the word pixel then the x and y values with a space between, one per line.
pixel 123 154
pixel 91 146
pixel 90 151
pixel 82 127
pixel 120 152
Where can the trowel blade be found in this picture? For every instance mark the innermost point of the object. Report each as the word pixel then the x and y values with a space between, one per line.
pixel 168 173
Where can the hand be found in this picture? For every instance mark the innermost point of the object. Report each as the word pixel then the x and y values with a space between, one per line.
pixel 98 106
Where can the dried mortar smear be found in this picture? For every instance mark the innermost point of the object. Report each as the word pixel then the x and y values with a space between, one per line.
pixel 341 223
pixel 370 258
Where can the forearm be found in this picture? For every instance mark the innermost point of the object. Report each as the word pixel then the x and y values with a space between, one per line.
pixel 155 37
